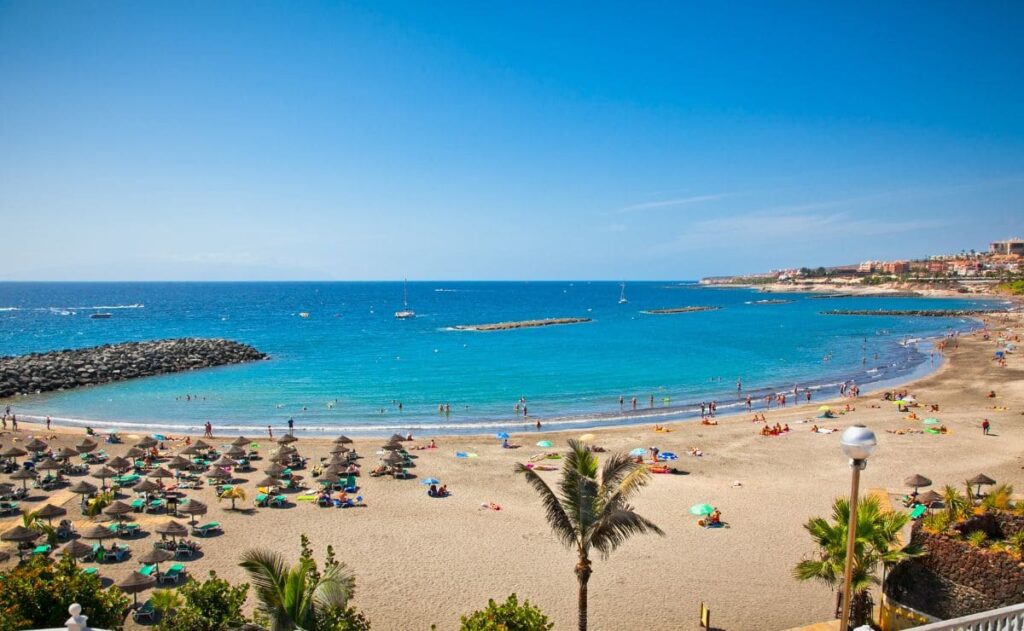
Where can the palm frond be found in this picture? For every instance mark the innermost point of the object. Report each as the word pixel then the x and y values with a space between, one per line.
pixel 556 515
pixel 616 526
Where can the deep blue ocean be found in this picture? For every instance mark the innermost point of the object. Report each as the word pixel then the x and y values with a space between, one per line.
pixel 345 367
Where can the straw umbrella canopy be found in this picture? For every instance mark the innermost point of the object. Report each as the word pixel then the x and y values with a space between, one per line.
pixel 147 443
pixel 156 556
pixel 83 488
pixel 119 463
pixel 117 509
pixel 86 446
pixel 287 439
pixel 202 445
pixel 75 548
pixel 24 475
pixel 136 452
pixel 20 535
pixel 50 511
pixel 98 531
pixel 13 452
pixel 49 465
pixel 36 446
pixel 980 480
pixel 235 452
pixel 159 472
pixel 219 474
pixel 397 438
pixel 66 453
pixel 103 473
pixel 339 449
pixel 135 583
pixel 929 497
pixel 394 458
pixel 171 529
pixel 275 470
pixel 193 508
pixel 191 450
pixel 269 481
pixel 146 486
pixel 179 463
pixel 341 440
pixel 241 441
pixel 392 446
pixel 224 461
pixel 917 481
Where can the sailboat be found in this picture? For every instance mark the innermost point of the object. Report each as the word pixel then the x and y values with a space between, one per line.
pixel 405 313
pixel 622 294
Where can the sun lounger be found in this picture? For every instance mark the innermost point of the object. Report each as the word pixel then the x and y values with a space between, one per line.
pixel 147 570
pixel 156 504
pixel 918 511
pixel 146 612
pixel 261 499
pixel 172 575
pixel 90 571
pixel 278 500
pixel 8 508
pixel 350 484
pixel 183 551
pixel 138 504
pixel 402 475
pixel 207 529
pixel 42 550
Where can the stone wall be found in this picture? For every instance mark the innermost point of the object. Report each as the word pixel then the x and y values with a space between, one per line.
pixel 955 578
pixel 62 370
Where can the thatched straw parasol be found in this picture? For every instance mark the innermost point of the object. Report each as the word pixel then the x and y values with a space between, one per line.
pixel 86 446
pixel 275 470
pixel 66 453
pixel 241 441
pixel 75 548
pixel 202 445
pixel 929 497
pixel 117 508
pixel 171 529
pixel 36 446
pixel 13 452
pixel 146 486
pixel 269 481
pixel 49 465
pixel 159 472
pixel 99 531
pixel 179 463
pixel 135 583
pixel 917 481
pixel 19 535
pixel 119 463
pixel 287 439
pixel 193 508
pixel 156 556
pixel 24 475
pixel 50 511
pixel 83 488
pixel 981 480
pixel 136 452
pixel 224 461
pixel 147 443
pixel 191 450
pixel 396 438
pixel 342 440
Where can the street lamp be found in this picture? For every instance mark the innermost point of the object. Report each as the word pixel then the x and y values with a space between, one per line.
pixel 858 443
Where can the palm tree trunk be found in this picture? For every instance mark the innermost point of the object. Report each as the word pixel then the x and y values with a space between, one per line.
pixel 583 572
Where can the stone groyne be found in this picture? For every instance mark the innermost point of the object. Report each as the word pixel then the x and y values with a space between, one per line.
pixel 927 313
pixel 522 324
pixel 62 370
pixel 679 310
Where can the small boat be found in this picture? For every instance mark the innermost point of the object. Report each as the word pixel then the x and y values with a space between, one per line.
pixel 405 313
pixel 303 314
pixel 622 294
pixel 101 316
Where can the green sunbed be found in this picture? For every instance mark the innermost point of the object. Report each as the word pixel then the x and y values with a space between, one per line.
pixel 919 510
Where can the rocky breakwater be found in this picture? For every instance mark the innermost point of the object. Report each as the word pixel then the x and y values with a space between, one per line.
pixel 522 324
pixel 62 370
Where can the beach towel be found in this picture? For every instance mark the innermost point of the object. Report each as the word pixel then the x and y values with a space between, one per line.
pixel 465 454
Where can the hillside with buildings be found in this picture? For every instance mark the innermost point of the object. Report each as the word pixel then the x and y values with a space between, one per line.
pixel 999 270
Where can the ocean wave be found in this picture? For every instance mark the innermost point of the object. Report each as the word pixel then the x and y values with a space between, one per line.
pixel 10 309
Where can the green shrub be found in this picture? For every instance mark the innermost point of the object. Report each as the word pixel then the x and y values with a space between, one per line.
pixel 936 522
pixel 976 538
pixel 36 594
pixel 213 605
pixel 508 616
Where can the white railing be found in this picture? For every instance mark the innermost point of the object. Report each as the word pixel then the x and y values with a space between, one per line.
pixel 1004 619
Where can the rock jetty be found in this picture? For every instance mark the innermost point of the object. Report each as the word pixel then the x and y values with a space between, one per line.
pixel 62 370
pixel 522 324
pixel 679 310
pixel 925 313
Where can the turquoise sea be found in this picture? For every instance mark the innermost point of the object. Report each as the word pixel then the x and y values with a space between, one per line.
pixel 345 367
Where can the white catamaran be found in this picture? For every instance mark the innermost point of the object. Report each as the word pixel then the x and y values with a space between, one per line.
pixel 405 312
pixel 622 294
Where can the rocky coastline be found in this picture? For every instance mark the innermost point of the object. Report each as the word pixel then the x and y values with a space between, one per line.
pixel 66 369
pixel 679 310
pixel 925 313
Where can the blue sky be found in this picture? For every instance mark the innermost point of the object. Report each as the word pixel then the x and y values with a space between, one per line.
pixel 369 140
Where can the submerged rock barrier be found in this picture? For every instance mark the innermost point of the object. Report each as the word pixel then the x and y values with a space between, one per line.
pixel 679 310
pixel 522 324
pixel 62 370
pixel 926 313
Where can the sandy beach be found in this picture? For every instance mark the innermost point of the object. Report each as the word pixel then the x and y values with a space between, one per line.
pixel 422 561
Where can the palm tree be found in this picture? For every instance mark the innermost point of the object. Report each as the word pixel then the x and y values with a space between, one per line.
pixel 590 511
pixel 234 493
pixel 298 597
pixel 956 502
pixel 32 521
pixel 165 601
pixel 877 540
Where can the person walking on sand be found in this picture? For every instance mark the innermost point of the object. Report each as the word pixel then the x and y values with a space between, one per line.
pixel 291 425
pixel 985 427
pixel 47 423
pixel 270 433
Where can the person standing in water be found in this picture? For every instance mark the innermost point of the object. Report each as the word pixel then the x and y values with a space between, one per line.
pixel 291 425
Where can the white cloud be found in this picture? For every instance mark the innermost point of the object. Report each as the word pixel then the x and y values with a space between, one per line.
pixel 679 201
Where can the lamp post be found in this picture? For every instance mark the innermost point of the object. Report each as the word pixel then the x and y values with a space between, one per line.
pixel 858 443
